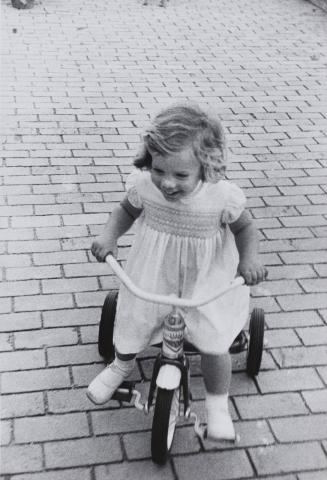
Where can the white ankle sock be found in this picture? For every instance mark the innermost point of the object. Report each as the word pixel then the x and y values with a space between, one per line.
pixel 122 367
pixel 220 424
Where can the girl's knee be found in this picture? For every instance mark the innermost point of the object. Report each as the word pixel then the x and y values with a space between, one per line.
pixel 125 356
pixel 213 358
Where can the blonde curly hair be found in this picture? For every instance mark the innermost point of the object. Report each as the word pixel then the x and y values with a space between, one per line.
pixel 183 125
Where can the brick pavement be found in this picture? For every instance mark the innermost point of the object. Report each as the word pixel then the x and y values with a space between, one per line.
pixel 79 79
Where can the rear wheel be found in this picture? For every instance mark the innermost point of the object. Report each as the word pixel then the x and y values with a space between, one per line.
pixel 165 417
pixel 255 348
pixel 106 327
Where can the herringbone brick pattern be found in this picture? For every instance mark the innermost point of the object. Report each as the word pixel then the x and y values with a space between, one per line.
pixel 79 80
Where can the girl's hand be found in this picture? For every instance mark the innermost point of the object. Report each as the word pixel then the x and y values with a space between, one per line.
pixel 101 247
pixel 253 272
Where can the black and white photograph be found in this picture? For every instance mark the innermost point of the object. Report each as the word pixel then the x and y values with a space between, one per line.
pixel 163 240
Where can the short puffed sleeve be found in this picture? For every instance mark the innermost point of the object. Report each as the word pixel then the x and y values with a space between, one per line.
pixel 235 203
pixel 132 194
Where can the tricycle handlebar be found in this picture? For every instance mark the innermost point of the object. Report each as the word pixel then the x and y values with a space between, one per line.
pixel 167 299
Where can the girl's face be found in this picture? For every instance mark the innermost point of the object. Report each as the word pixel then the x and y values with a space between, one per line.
pixel 175 175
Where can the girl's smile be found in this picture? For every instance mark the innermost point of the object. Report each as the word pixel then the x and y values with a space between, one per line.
pixel 176 175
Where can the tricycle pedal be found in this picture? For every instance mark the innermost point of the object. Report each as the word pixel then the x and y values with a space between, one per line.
pixel 125 392
pixel 240 343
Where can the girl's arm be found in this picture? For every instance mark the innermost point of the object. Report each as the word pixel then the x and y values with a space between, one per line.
pixel 247 243
pixel 118 223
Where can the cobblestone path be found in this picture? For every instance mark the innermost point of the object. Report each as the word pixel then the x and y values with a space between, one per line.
pixel 79 81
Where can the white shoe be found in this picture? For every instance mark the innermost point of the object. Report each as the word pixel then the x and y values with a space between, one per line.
pixel 104 385
pixel 220 424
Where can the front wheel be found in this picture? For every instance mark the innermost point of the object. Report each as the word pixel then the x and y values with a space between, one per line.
pixel 165 417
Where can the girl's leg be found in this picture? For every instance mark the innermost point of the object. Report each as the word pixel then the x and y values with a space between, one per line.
pixel 217 371
pixel 106 383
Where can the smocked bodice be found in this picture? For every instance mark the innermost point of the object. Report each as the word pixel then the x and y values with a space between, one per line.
pixel 179 222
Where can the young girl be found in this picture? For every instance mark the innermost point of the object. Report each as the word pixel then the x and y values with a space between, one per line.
pixel 193 236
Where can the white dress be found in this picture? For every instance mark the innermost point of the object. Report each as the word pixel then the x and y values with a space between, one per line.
pixel 183 247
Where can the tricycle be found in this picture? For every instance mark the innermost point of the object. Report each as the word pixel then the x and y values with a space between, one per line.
pixel 170 380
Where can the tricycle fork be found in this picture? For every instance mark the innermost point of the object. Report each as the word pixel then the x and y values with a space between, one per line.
pixel 182 363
